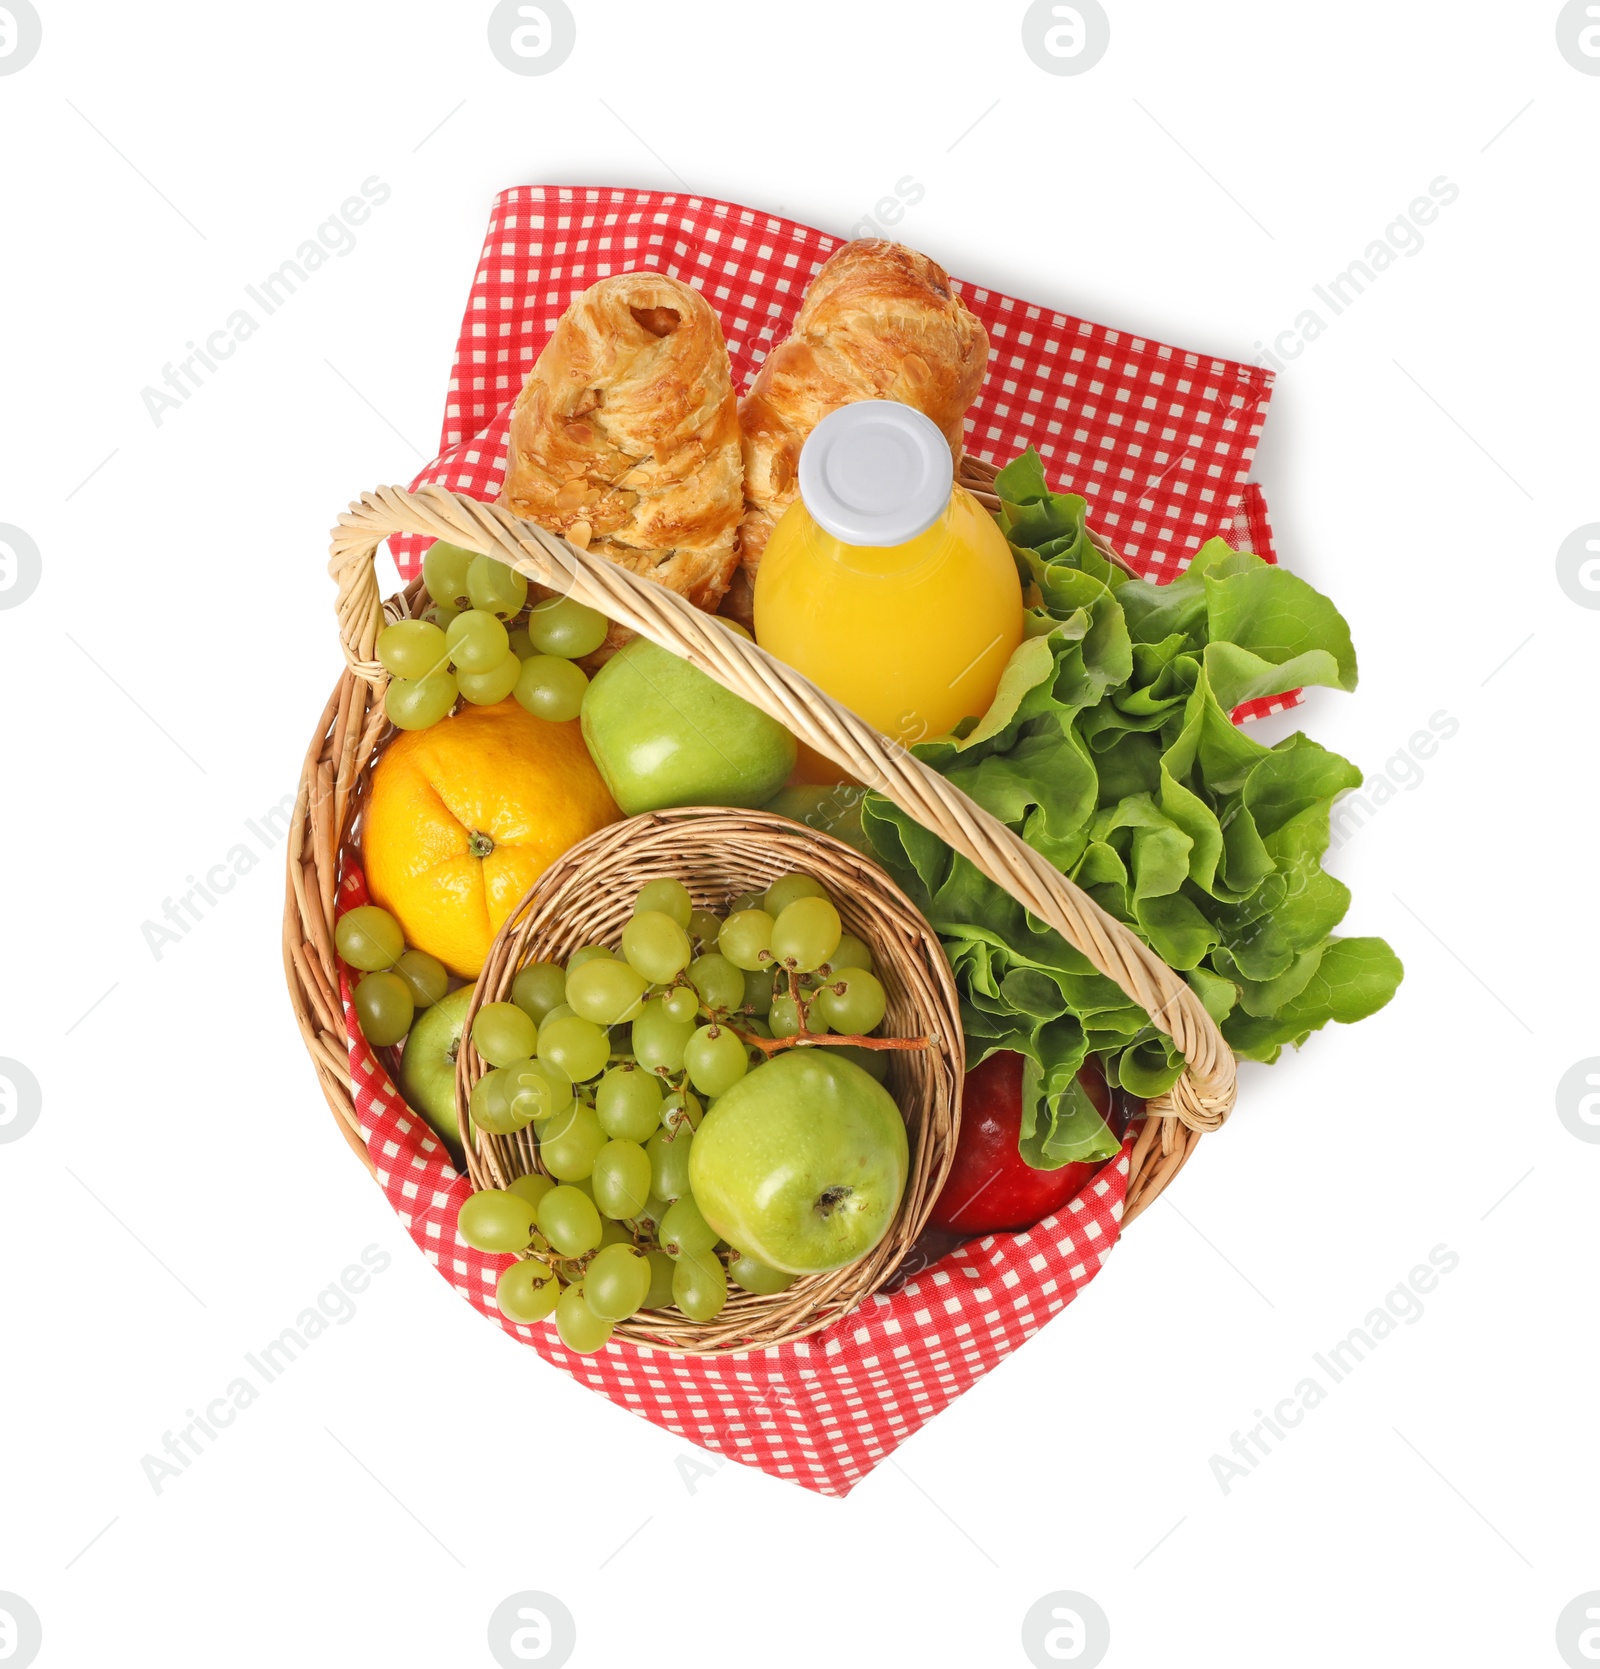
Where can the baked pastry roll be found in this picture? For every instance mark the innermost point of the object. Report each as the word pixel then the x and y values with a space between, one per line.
pixel 625 438
pixel 879 322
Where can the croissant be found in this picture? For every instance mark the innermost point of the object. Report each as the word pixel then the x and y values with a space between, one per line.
pixel 879 322
pixel 625 437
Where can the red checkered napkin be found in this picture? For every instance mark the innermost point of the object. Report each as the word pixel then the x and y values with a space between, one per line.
pixel 1159 442
pixel 822 1411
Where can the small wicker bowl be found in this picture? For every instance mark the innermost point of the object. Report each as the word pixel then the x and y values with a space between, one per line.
pixel 587 897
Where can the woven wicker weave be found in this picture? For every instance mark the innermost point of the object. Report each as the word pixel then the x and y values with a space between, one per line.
pixel 587 896
pixel 352 729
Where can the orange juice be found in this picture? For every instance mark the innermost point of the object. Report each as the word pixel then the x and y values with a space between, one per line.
pixel 910 631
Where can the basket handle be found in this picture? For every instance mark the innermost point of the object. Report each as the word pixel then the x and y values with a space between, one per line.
pixel 1201 1098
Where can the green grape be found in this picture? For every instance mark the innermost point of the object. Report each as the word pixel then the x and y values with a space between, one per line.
pixel 569 1220
pixel 369 938
pixel 787 888
pixel 758 992
pixel 616 1282
pixel 747 901
pixel 755 1276
pixel 527 1292
pixel 874 1062
pixel 682 1002
pixel 670 897
pixel 852 953
pixel 715 1059
pixel 478 642
pixel 495 588
pixel 628 1104
pixel 537 1090
pixel 669 1163
pixel 614 1234
pixel 493 1220
pixel 578 1046
pixel 746 940
pixel 533 1187
pixel 658 1039
pixel 440 615
pixel 683 1229
pixel 784 1019
pixel 580 1328
pixel 757 1026
pixel 699 1285
pixel 538 988
pixel 503 1033
pixel 720 984
pixel 662 1269
pixel 588 953
pixel 550 688
pixel 444 572
pixel 426 977
pixel 556 1125
pixel 484 689
pixel 680 1112
pixel 606 991
pixel 621 1179
pixel 806 934
pixel 411 648
pixel 561 626
pixel 853 1002
pixel 656 946
pixel 562 1011
pixel 570 1154
pixel 415 704
pixel 519 643
pixel 490 1105
pixel 704 928
pixel 648 1221
pixel 384 1007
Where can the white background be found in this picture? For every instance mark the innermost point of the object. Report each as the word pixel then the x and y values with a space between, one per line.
pixel 185 1193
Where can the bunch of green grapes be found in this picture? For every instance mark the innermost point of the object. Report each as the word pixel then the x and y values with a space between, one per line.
pixel 614 1059
pixel 395 982
pixel 480 641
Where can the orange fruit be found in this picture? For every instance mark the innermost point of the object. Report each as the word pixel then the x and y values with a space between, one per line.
pixel 466 815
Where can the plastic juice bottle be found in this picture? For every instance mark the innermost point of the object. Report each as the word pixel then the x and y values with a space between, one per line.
pixel 884 584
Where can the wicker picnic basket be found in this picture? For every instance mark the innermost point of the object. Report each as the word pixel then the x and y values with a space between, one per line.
pixel 720 853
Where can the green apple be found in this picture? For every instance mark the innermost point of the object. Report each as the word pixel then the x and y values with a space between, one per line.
pixel 802 1163
pixel 835 810
pixel 664 734
pixel 428 1065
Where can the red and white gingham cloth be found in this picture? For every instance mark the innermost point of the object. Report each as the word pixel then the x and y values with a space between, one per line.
pixel 1160 442
pixel 822 1411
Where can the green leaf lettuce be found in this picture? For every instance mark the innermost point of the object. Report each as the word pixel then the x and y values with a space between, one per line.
pixel 1109 747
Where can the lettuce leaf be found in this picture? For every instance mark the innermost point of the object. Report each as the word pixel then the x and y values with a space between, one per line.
pixel 1110 749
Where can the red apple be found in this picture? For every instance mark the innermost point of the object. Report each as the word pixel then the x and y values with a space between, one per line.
pixel 991 1187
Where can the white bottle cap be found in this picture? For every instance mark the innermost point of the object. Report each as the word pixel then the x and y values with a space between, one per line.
pixel 876 473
